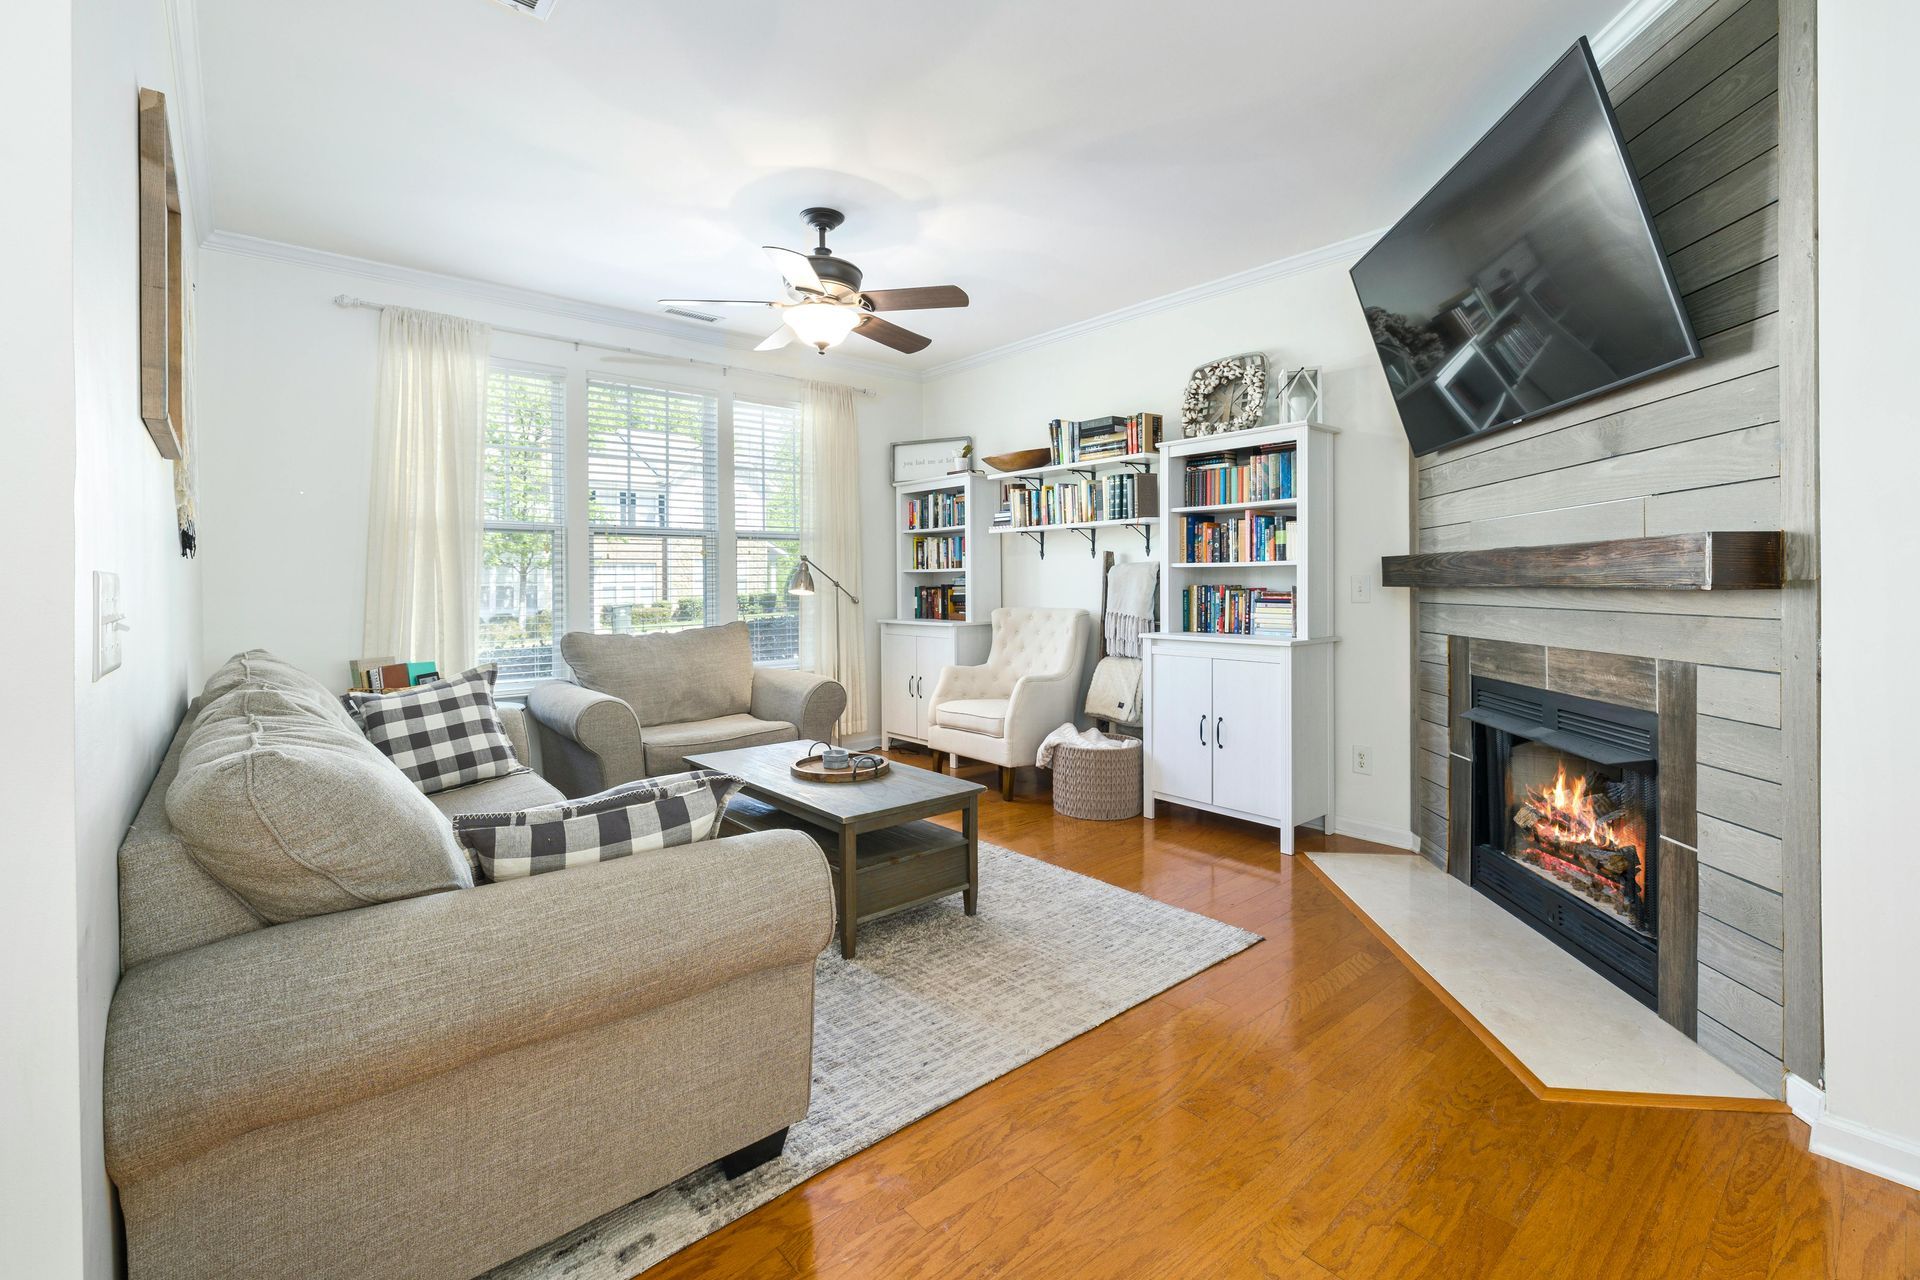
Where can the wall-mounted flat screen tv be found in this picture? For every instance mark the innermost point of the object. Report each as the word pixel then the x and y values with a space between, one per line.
pixel 1531 277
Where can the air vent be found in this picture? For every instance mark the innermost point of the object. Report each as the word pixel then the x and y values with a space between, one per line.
pixel 685 314
pixel 541 9
pixel 1620 735
pixel 1507 704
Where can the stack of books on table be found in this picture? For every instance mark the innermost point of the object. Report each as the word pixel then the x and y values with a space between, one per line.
pixel 1236 611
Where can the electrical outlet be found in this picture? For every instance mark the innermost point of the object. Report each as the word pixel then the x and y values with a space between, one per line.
pixel 1363 760
pixel 1362 589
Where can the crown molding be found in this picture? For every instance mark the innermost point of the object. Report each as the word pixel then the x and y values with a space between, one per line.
pixel 186 106
pixel 245 246
pixel 1626 26
pixel 1339 252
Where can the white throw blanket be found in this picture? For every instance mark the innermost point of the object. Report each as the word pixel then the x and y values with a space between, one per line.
pixel 1114 693
pixel 1130 598
pixel 1072 736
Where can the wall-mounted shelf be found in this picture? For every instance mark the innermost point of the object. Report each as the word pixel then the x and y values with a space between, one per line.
pixel 1137 461
pixel 1039 532
pixel 1719 561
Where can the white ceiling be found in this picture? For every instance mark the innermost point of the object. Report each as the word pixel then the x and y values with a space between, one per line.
pixel 1056 160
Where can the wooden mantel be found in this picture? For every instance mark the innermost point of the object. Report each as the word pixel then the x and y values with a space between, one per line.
pixel 1724 561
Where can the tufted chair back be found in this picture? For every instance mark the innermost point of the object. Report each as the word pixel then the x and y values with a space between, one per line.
pixel 1036 642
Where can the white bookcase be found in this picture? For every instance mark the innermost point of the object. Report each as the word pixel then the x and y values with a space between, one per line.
pixel 913 648
pixel 1241 724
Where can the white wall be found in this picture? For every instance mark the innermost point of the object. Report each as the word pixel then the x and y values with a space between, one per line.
pixel 86 490
pixel 1142 363
pixel 1870 698
pixel 40 1103
pixel 287 402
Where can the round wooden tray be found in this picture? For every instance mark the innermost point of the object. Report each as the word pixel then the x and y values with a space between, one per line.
pixel 810 768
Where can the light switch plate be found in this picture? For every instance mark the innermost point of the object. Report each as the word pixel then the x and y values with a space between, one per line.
pixel 108 623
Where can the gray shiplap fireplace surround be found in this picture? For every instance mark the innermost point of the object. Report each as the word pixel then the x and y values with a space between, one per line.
pixel 1715 99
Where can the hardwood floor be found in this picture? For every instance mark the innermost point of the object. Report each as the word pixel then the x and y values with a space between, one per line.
pixel 1304 1109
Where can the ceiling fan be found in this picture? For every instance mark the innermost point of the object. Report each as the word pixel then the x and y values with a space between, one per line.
pixel 825 303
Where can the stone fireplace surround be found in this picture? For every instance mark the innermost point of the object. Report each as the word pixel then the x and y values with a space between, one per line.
pixel 1668 689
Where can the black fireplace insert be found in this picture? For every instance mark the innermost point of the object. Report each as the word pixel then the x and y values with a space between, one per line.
pixel 1566 824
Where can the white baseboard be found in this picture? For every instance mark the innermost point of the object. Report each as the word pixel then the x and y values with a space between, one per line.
pixel 1883 1154
pixel 1806 1099
pixel 1378 832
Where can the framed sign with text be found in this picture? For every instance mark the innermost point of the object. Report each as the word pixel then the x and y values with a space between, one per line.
pixel 930 459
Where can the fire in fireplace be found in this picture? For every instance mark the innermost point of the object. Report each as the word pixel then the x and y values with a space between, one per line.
pixel 1565 824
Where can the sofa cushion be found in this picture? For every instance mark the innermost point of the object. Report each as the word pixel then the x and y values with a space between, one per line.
pixel 669 677
pixel 444 733
pixel 258 669
pixel 653 813
pixel 298 816
pixel 974 715
pixel 667 746
pixel 523 790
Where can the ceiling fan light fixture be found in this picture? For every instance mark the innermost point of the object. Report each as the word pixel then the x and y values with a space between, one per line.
pixel 822 324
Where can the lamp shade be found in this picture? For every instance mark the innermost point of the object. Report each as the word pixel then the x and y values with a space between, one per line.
pixel 821 324
pixel 800 581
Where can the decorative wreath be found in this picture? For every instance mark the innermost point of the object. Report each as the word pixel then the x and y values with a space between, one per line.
pixel 1248 399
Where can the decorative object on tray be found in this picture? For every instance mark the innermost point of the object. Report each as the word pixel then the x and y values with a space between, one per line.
pixel 836 764
pixel 1300 395
pixel 930 459
pixel 1019 459
pixel 1228 394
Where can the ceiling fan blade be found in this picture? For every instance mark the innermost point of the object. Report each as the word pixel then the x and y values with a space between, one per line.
pixel 927 299
pixel 891 335
pixel 777 339
pixel 796 269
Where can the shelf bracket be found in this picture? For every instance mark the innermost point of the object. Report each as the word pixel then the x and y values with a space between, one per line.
pixel 1039 537
pixel 1146 535
pixel 1090 551
pixel 1140 468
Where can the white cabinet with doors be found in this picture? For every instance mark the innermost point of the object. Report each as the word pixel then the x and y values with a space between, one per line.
pixel 912 654
pixel 1241 727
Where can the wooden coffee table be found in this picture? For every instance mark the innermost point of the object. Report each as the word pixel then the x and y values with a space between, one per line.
pixel 884 856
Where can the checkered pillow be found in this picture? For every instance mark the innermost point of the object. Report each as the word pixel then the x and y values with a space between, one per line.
pixel 657 813
pixel 442 734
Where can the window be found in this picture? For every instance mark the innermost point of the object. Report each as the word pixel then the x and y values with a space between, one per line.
pixel 766 518
pixel 651 507
pixel 523 548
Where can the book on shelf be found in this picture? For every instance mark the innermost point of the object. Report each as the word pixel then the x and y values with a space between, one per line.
pixel 1112 436
pixel 939 551
pixel 1236 610
pixel 936 510
pixel 1260 536
pixel 1129 496
pixel 1260 475
pixel 944 603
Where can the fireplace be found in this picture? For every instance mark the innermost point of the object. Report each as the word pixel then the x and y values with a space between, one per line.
pixel 1566 823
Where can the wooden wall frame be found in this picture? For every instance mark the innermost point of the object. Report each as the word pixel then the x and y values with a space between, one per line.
pixel 163 303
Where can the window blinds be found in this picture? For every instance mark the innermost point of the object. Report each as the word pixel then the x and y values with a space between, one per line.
pixel 523 547
pixel 651 506
pixel 766 514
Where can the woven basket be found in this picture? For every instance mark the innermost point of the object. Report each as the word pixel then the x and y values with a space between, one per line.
pixel 1099 783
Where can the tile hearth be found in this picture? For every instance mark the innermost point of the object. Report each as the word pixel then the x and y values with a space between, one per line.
pixel 1570 1027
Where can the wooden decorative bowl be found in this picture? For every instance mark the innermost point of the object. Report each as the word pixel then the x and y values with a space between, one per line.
pixel 866 768
pixel 1019 459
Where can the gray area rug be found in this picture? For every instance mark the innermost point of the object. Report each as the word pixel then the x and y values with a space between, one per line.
pixel 936 1005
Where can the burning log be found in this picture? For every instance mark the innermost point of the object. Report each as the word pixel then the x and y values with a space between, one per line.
pixel 1527 817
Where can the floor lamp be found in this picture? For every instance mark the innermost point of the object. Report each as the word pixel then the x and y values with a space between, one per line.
pixel 800 583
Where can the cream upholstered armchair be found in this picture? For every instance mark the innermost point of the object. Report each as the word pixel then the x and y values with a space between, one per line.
pixel 1028 687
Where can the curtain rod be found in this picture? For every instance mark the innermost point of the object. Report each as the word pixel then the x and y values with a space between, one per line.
pixel 349 301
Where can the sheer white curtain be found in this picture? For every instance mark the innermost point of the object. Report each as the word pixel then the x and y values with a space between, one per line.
pixel 830 537
pixel 423 530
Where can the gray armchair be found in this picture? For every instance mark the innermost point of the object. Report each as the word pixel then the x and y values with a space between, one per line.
pixel 643 703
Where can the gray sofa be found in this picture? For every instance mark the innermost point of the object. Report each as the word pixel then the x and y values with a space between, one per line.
pixel 431 1086
pixel 641 704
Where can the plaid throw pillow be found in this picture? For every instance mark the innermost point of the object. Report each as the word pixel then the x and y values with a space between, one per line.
pixel 656 813
pixel 442 734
